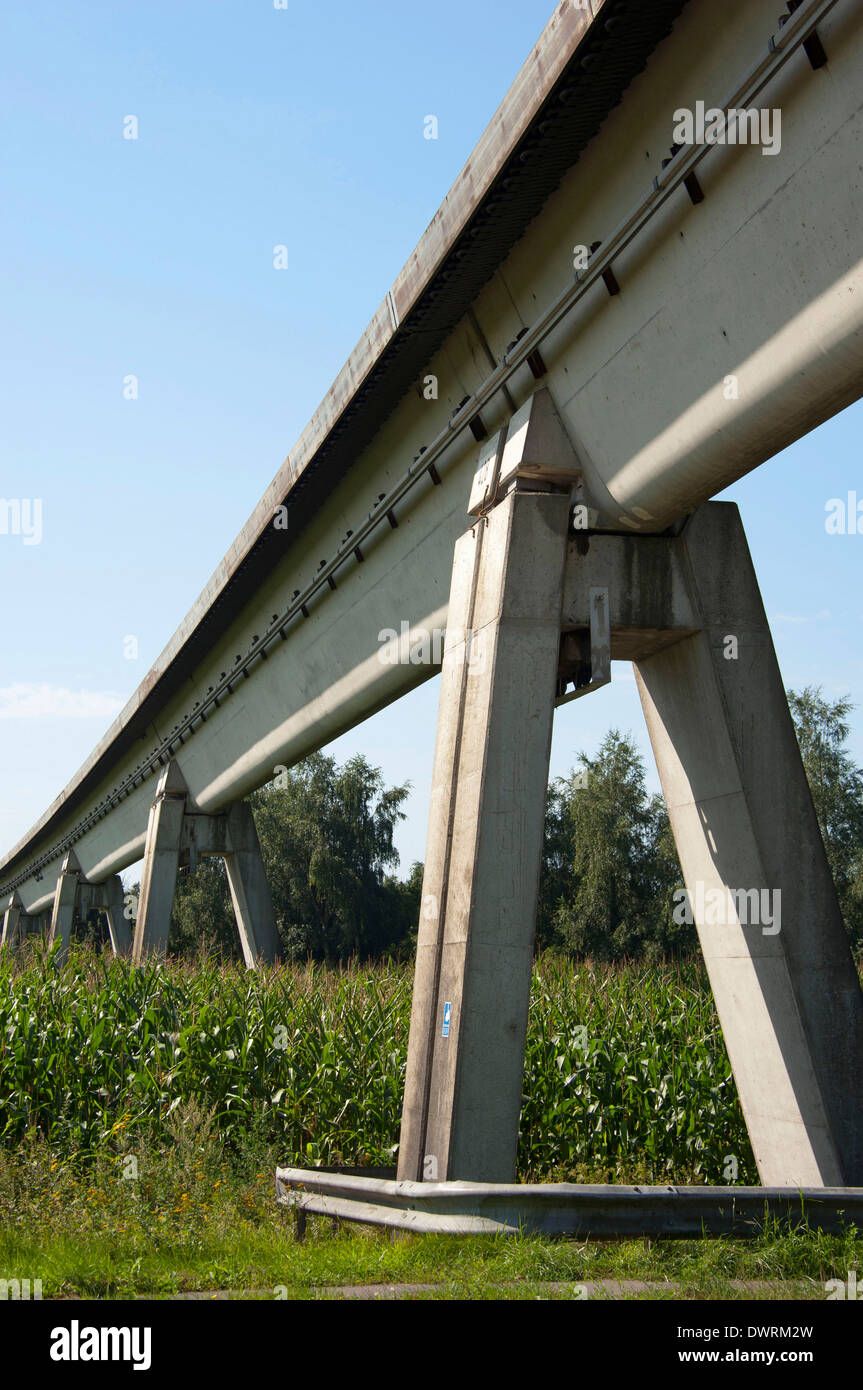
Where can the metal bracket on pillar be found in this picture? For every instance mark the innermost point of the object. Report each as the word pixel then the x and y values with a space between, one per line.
pixel 585 657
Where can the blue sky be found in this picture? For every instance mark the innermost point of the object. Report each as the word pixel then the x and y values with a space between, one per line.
pixel 154 258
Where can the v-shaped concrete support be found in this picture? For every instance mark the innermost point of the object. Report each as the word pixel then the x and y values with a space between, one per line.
pixel 475 943
pixel 65 902
pixel 688 613
pixel 785 985
pixel 161 864
pixel 13 925
pixel 179 832
pixel 75 896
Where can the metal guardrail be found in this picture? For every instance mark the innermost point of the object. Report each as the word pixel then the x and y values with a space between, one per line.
pixel 564 1209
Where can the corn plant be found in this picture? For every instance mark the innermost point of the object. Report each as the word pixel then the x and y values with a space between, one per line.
pixel 626 1072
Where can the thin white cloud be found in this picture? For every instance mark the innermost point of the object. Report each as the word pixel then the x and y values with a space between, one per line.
pixel 56 702
pixel 802 617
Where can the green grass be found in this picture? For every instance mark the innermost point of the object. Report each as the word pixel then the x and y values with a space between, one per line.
pixel 194 1221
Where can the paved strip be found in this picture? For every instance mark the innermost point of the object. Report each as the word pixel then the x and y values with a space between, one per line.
pixel 596 1288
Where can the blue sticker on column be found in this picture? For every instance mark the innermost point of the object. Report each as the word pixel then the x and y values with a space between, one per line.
pixel 447 1014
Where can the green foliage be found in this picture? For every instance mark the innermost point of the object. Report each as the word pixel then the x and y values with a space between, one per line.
pixel 203 916
pixel 326 836
pixel 837 791
pixel 193 1220
pixel 609 867
pixel 310 1061
pixel 403 908
pixel 626 1074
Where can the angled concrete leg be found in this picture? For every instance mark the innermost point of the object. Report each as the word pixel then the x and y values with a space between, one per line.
pixel 13 925
pixel 161 862
pixel 65 902
pixel 250 891
pixel 474 955
pixel 785 986
pixel 119 927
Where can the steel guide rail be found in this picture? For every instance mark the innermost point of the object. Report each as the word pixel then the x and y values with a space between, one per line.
pixel 588 1211
pixel 792 35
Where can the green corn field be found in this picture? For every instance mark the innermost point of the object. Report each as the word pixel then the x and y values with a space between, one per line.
pixel 626 1076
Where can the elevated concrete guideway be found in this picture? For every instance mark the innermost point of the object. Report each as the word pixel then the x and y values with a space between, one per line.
pixel 609 320
pixel 760 282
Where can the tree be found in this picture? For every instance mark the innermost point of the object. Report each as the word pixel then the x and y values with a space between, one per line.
pixel 609 866
pixel 203 914
pixel 836 784
pixel 326 838
pixel 403 907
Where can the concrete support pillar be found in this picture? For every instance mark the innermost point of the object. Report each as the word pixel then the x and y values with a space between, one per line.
pixel 250 891
pixel 180 834
pixel 785 986
pixel 475 947
pixel 161 862
pixel 65 903
pixel 13 923
pixel 114 905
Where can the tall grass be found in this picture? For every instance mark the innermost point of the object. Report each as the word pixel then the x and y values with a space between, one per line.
pixel 310 1063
